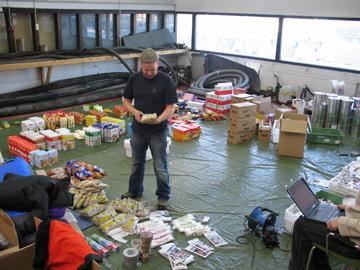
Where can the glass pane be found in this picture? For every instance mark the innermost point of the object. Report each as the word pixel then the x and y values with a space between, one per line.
pixel 170 22
pixel 88 30
pixel 140 25
pixel 68 32
pixel 23 33
pixel 125 24
pixel 155 21
pixel 47 31
pixel 332 43
pixel 107 30
pixel 184 29
pixel 242 35
pixel 3 35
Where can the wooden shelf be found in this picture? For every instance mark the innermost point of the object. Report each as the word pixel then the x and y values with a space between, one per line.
pixel 73 61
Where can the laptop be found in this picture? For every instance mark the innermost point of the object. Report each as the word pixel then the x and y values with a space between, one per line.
pixel 309 205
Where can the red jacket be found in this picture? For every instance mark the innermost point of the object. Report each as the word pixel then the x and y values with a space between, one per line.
pixel 60 247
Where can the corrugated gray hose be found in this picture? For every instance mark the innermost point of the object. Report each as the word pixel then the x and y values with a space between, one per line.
pixel 206 83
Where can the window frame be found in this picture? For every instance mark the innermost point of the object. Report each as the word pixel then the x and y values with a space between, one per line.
pixel 279 38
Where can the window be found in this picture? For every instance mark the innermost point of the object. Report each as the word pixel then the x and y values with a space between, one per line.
pixel 125 24
pixel 170 22
pixel 107 30
pixel 140 23
pixel 68 32
pixel 241 35
pixel 332 43
pixel 88 30
pixel 184 29
pixel 155 21
pixel 3 35
pixel 47 31
pixel 23 32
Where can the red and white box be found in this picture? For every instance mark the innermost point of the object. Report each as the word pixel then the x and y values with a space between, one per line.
pixel 53 139
pixel 224 89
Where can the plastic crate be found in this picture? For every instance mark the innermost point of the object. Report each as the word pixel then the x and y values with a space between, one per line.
pixel 128 150
pixel 325 136
pixel 335 199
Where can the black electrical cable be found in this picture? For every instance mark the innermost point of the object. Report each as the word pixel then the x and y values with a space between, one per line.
pixel 53 86
pixel 166 63
pixel 100 94
pixel 67 54
pixel 249 237
pixel 72 90
pixel 113 52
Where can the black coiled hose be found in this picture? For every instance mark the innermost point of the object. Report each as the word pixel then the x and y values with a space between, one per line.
pixel 206 83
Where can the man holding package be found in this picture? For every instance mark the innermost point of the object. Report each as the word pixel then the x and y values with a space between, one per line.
pixel 154 97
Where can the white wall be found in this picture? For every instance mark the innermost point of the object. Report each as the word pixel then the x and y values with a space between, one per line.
pixel 315 79
pixel 331 8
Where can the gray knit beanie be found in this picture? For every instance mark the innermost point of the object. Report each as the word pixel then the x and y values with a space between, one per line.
pixel 148 56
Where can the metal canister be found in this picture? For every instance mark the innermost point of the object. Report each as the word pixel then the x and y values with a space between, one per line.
pixel 320 119
pixel 344 122
pixel 333 106
pixel 356 103
pixel 319 98
pixel 355 124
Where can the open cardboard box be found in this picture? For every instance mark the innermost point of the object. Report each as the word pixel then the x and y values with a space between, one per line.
pixel 293 129
pixel 15 257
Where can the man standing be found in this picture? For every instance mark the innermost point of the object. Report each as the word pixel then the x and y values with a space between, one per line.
pixel 152 92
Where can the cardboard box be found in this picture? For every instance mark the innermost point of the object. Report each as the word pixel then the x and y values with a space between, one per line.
pixel 242 110
pixel 293 129
pixel 264 132
pixel 240 137
pixel 263 104
pixel 239 91
pixel 242 125
pixel 239 98
pixel 280 111
pixel 14 257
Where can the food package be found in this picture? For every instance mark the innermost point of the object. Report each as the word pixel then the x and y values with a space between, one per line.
pixel 148 118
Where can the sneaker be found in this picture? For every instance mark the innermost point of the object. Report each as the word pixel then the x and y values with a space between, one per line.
pixel 130 195
pixel 162 204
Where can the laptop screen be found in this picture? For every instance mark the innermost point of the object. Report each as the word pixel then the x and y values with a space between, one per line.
pixel 302 195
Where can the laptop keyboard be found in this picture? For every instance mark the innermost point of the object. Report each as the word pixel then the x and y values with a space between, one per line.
pixel 324 213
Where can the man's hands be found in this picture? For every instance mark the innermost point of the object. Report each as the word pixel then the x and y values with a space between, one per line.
pixel 137 115
pixel 150 119
pixel 342 206
pixel 332 224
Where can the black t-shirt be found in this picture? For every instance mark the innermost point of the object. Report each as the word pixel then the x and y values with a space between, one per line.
pixel 150 96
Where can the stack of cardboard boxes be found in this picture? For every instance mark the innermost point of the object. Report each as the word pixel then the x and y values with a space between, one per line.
pixel 219 103
pixel 220 99
pixel 242 122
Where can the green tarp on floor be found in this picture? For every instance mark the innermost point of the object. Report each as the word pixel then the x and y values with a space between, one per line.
pixel 225 182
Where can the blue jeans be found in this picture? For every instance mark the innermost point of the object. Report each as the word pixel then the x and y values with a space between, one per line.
pixel 157 143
